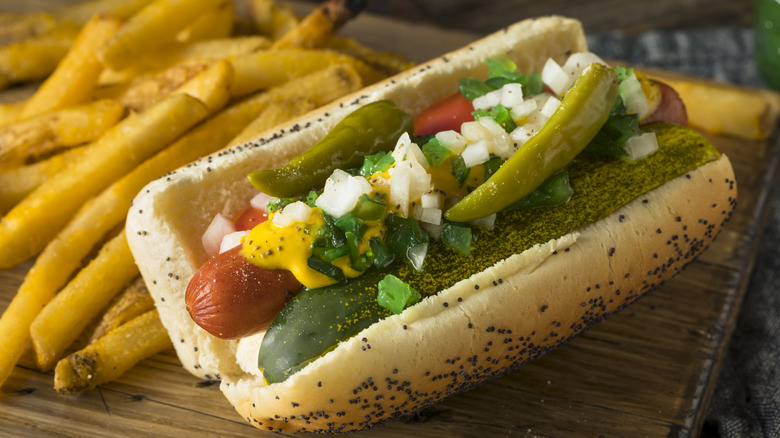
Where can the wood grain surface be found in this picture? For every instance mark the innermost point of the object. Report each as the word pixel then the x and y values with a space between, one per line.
pixel 647 371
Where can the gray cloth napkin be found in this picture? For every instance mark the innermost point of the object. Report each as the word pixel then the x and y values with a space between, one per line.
pixel 746 402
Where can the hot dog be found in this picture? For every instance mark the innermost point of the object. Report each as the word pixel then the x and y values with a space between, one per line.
pixel 515 307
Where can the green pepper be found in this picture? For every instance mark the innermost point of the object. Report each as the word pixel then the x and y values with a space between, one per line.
pixel 370 129
pixel 584 108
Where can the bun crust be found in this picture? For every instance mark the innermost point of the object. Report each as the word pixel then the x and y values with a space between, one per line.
pixel 401 364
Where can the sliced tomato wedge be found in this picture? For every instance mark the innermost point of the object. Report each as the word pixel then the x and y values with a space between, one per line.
pixel 249 218
pixel 445 115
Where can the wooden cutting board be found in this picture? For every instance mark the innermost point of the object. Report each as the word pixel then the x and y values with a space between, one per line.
pixel 647 371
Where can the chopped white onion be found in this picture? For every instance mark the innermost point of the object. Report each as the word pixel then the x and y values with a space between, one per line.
pixel 434 231
pixel 431 216
pixel 416 255
pixel 283 218
pixel 408 182
pixel 634 96
pixel 341 193
pixel 260 201
pixel 511 95
pixel 406 150
pixel 400 187
pixel 217 229
pixel 523 109
pixel 499 141
pixel 550 106
pixel 641 146
pixel 578 62
pixel 298 211
pixel 474 131
pixel 452 140
pixel 555 77
pixel 475 153
pixel 489 100
pixel 521 134
pixel 231 240
pixel 486 222
pixel 430 200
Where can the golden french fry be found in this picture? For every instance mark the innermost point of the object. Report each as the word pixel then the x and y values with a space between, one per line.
pixel 34 58
pixel 275 114
pixel 272 18
pixel 30 225
pixel 64 318
pixel 209 84
pixel 19 181
pixel 73 126
pixel 212 86
pixel 217 23
pixel 74 79
pixel 151 27
pixel 386 62
pixel 319 26
pixel 11 112
pixel 221 48
pixel 112 355
pixel 81 12
pixel 265 69
pixel 182 55
pixel 19 27
pixel 147 91
pixel 26 229
pixel 133 301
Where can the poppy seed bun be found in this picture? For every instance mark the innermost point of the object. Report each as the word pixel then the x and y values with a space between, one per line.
pixel 438 346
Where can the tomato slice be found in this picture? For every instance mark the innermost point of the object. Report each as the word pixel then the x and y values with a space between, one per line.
pixel 445 115
pixel 249 218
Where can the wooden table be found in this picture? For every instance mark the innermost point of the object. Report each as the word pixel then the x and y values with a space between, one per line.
pixel 647 371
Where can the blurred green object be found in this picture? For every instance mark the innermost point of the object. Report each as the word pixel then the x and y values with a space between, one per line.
pixel 767 35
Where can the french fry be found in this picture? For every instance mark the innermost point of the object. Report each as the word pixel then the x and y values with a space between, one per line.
pixel 64 318
pixel 212 86
pixel 153 26
pixel 265 69
pixel 209 84
pixel 19 27
pixel 26 229
pixel 221 48
pixel 133 301
pixel 276 113
pixel 74 79
pixel 182 55
pixel 11 112
pixel 80 13
pixel 19 181
pixel 319 26
pixel 272 18
pixel 147 91
pixel 34 58
pixel 112 355
pixel 35 221
pixel 217 23
pixel 35 137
